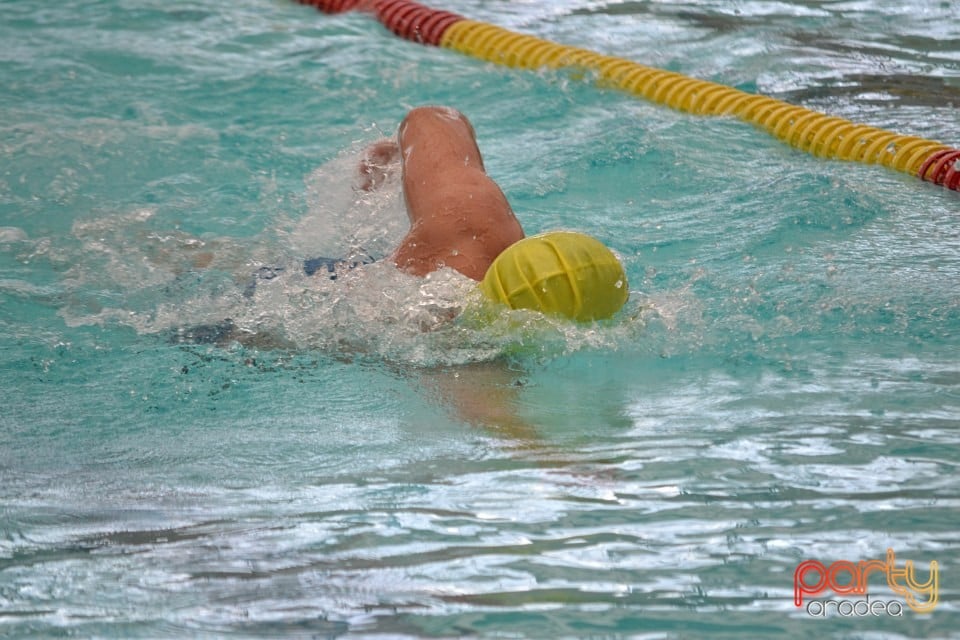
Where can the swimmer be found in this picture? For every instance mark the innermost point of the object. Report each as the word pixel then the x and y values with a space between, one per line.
pixel 460 218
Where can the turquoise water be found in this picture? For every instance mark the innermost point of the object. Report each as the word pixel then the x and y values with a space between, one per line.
pixel 784 384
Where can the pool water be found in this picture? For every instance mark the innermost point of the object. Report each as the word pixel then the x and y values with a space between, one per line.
pixel 783 385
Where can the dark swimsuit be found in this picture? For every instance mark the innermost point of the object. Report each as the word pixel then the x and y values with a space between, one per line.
pixel 330 267
pixel 333 265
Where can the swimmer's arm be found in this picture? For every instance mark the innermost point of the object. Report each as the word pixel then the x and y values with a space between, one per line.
pixel 379 160
pixel 484 395
pixel 462 223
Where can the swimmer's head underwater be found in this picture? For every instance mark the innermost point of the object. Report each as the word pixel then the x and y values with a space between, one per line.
pixel 561 273
pixel 558 273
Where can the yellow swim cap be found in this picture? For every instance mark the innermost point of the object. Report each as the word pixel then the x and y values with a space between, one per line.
pixel 561 272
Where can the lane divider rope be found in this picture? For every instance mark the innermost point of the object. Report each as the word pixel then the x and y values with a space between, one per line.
pixel 810 131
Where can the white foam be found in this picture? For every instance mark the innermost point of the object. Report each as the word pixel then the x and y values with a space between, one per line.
pixel 10 235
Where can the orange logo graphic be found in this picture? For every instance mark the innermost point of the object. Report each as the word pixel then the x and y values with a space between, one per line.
pixel 843 577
